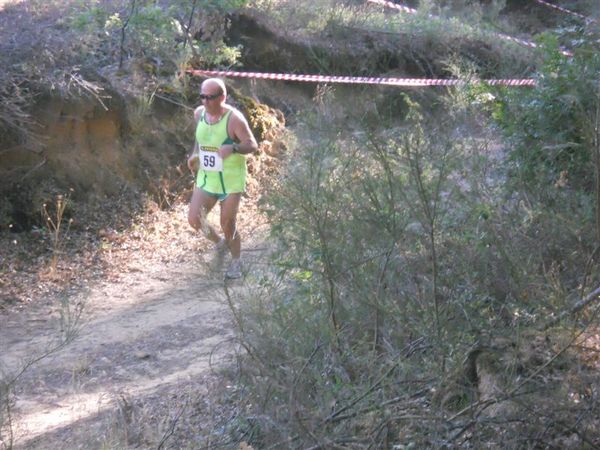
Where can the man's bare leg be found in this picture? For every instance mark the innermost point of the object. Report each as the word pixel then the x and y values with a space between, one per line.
pixel 200 205
pixel 229 210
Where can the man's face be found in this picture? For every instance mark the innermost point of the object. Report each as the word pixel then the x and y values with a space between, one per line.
pixel 210 94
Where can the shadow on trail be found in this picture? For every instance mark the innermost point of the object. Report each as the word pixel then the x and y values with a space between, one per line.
pixel 145 340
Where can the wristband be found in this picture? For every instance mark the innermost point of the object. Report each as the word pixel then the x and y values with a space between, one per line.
pixel 236 148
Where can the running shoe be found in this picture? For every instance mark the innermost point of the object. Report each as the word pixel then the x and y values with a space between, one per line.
pixel 235 269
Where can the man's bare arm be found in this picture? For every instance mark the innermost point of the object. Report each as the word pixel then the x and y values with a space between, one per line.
pixel 242 133
pixel 193 158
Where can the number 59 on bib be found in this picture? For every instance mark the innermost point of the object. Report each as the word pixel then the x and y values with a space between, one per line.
pixel 211 161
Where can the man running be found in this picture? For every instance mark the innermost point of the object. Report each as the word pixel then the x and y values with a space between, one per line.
pixel 222 140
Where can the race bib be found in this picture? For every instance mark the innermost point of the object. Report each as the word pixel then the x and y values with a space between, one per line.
pixel 211 161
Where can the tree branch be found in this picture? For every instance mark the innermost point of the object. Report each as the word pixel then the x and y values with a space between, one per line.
pixel 594 295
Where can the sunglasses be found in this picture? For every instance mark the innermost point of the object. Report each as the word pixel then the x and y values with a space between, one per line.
pixel 209 97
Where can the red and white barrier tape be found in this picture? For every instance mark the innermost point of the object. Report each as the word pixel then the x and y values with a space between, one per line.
pixel 414 82
pixel 394 6
pixel 565 10
pixel 523 42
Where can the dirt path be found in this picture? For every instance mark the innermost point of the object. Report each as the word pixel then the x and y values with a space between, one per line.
pixel 149 345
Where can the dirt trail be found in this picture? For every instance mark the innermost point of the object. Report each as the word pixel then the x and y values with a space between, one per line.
pixel 148 343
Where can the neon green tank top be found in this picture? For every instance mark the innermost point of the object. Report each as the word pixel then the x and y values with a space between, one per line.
pixel 233 176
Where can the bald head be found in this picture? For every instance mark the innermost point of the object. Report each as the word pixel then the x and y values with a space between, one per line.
pixel 213 86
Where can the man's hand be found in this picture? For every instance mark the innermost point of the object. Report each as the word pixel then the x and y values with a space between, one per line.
pixel 193 162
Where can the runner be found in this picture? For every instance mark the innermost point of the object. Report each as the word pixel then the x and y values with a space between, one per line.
pixel 222 140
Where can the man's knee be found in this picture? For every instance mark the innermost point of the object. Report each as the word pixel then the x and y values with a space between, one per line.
pixel 197 218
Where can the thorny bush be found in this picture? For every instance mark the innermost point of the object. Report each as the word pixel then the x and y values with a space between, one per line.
pixel 400 270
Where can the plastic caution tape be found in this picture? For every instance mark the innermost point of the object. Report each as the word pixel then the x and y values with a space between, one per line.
pixel 567 11
pixel 394 6
pixel 523 42
pixel 415 82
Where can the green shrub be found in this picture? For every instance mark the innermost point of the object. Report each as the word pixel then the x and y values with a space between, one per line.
pixel 553 127
pixel 145 29
pixel 363 304
pixel 400 253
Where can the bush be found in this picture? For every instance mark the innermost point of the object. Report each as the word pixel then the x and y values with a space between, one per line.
pixel 149 31
pixel 553 127
pixel 406 277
